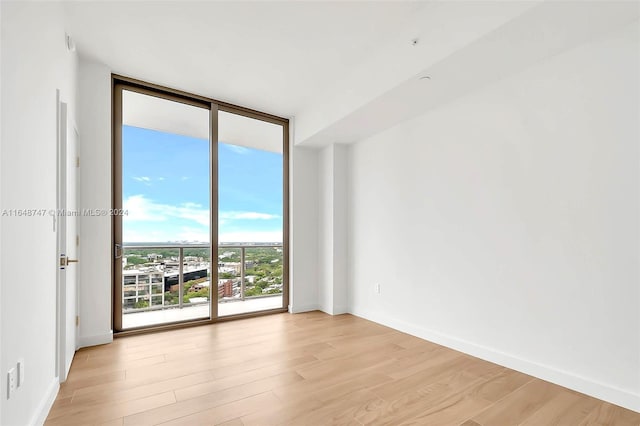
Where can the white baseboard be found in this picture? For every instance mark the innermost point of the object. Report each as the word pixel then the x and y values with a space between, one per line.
pixel 296 309
pixel 46 403
pixel 99 339
pixel 621 397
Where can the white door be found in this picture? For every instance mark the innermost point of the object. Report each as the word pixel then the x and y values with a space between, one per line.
pixel 67 235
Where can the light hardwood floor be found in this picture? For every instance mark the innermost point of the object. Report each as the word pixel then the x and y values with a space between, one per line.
pixel 308 369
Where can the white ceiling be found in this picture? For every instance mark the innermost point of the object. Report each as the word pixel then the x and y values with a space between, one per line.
pixel 526 34
pixel 270 56
pixel 343 70
pixel 150 112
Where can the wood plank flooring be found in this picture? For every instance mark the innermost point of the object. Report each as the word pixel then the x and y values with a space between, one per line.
pixel 308 369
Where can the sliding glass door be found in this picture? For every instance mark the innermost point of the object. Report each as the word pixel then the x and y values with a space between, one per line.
pixel 202 188
pixel 250 214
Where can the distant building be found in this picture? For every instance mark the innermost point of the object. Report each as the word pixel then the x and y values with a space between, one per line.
pixel 225 288
pixel 230 267
pixel 142 288
pixel 199 286
pixel 153 257
pixel 171 277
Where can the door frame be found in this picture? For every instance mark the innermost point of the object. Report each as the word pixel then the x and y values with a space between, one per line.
pixel 120 83
pixel 64 126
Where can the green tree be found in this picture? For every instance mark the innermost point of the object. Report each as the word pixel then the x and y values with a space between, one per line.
pixel 135 260
pixel 141 304
pixel 253 291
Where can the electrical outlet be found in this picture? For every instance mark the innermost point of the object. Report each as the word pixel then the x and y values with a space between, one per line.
pixel 377 288
pixel 11 382
pixel 20 372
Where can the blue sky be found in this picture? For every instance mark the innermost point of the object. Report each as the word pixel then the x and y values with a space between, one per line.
pixel 165 186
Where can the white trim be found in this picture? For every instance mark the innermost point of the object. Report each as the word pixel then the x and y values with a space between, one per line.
pixel 41 413
pixel 99 339
pixel 612 394
pixel 326 310
pixel 339 310
pixel 296 309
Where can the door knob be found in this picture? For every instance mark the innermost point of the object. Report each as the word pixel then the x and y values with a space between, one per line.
pixel 65 261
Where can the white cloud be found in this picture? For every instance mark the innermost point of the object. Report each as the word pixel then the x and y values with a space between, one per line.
pixel 193 234
pixel 142 209
pixel 166 234
pixel 142 178
pixel 238 149
pixel 192 212
pixel 150 236
pixel 251 237
pixel 200 235
pixel 247 215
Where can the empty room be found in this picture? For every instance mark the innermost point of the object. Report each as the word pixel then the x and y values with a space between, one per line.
pixel 422 212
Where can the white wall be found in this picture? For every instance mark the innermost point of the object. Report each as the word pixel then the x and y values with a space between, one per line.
pixel 304 230
pixel 332 226
pixel 35 62
pixel 94 90
pixel 340 247
pixel 505 224
pixel 1 206
pixel 95 188
pixel 325 229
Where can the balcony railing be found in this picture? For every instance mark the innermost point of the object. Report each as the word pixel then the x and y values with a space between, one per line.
pixel 154 276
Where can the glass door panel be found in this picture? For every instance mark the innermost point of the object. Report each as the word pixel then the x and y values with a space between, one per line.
pixel 250 214
pixel 166 196
pixel 203 189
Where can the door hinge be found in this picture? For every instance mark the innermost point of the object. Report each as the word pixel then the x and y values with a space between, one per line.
pixel 77 240
pixel 77 161
pixel 77 320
